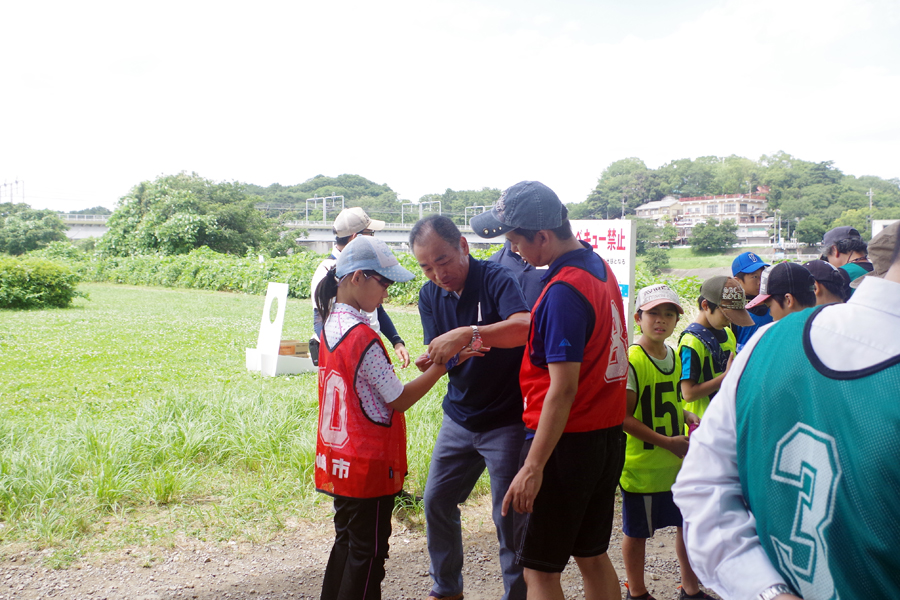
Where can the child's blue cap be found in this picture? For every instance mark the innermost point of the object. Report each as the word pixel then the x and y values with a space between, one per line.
pixel 366 253
pixel 747 262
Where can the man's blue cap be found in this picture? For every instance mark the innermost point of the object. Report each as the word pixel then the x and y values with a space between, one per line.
pixel 528 204
pixel 748 262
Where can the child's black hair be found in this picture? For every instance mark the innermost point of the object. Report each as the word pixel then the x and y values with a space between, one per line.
pixel 806 298
pixel 326 292
pixel 710 305
pixel 837 289
pixel 562 233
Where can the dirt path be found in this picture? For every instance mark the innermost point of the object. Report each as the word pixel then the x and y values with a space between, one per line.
pixel 291 566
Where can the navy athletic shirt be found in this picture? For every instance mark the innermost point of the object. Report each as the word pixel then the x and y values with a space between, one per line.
pixel 483 393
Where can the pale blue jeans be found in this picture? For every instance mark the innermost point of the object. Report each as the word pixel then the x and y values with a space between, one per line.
pixel 459 458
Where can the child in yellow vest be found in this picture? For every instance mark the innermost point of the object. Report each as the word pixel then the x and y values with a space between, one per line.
pixel 654 421
pixel 707 346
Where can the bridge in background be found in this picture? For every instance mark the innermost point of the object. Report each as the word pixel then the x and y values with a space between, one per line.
pixel 84 226
pixel 320 234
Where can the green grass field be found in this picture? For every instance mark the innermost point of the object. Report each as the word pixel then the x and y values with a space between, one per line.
pixel 684 258
pixel 129 419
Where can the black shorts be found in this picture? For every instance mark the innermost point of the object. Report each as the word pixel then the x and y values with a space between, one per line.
pixel 573 511
pixel 643 514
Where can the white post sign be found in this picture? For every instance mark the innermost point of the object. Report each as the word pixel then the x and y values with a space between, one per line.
pixel 614 241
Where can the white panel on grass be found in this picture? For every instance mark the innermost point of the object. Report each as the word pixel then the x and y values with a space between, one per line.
pixel 265 357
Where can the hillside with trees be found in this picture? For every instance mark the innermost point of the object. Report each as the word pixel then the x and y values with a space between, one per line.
pixel 811 197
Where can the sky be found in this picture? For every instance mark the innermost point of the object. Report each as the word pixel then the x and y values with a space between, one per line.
pixel 422 95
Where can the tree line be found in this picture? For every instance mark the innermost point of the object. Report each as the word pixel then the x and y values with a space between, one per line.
pixel 174 214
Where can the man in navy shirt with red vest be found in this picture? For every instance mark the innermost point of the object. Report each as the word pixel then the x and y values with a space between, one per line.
pixel 475 304
pixel 573 379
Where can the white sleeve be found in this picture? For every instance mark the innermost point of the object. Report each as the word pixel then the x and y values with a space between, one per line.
pixel 719 530
pixel 318 276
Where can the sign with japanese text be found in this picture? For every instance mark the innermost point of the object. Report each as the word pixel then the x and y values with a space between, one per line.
pixel 614 241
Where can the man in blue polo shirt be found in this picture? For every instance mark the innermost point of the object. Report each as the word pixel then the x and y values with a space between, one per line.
pixel 747 268
pixel 478 305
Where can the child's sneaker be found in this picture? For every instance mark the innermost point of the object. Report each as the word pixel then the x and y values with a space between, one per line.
pixel 644 596
pixel 701 594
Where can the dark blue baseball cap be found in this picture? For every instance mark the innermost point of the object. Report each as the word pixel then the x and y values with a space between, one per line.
pixel 526 205
pixel 747 262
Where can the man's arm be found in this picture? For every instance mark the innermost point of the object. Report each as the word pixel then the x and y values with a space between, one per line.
pixel 554 416
pixel 719 530
pixel 390 332
pixel 510 333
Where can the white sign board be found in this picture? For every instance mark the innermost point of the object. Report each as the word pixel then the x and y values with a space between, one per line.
pixel 614 241
pixel 265 357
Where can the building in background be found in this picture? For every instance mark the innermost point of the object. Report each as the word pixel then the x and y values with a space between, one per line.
pixel 747 210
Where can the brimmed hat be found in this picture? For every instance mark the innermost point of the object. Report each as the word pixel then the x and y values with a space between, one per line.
pixel 881 249
pixel 727 293
pixel 527 205
pixel 747 262
pixel 366 253
pixel 353 220
pixel 654 295
pixel 783 278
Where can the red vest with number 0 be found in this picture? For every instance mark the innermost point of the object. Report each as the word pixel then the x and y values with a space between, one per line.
pixel 355 456
pixel 600 399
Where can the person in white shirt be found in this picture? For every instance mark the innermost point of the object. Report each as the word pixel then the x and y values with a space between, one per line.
pixel 350 223
pixel 791 486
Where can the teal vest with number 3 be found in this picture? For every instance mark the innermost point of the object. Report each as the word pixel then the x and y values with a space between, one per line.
pixel 818 455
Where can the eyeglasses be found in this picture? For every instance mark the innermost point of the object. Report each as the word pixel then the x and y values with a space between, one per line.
pixel 382 281
pixel 367 232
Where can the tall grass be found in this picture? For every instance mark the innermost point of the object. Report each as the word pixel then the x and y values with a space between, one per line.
pixel 130 419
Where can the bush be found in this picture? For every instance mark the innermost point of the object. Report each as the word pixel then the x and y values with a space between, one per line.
pixel 656 260
pixel 35 283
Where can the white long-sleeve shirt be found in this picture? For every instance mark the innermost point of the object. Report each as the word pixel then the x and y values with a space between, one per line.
pixel 719 531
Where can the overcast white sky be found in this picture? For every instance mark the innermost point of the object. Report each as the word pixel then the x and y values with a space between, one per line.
pixel 426 95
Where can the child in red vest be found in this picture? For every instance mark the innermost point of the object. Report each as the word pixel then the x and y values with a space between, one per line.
pixel 361 441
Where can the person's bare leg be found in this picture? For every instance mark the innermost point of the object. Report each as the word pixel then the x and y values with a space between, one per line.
pixel 543 586
pixel 689 582
pixel 633 555
pixel 601 582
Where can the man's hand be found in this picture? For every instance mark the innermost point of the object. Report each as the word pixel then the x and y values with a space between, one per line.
pixel 402 354
pixel 523 490
pixel 446 346
pixel 423 362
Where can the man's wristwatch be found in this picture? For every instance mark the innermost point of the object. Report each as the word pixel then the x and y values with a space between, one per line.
pixel 476 343
pixel 774 591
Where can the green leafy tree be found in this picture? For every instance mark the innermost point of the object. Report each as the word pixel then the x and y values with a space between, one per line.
pixel 810 230
pixel 713 237
pixel 23 228
pixel 176 213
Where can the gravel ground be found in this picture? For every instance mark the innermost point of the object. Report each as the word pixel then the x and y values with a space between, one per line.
pixel 291 566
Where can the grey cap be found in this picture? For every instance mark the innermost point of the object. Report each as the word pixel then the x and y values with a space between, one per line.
pixel 526 205
pixel 366 253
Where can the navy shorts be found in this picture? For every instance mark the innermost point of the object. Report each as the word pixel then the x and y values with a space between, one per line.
pixel 573 511
pixel 642 514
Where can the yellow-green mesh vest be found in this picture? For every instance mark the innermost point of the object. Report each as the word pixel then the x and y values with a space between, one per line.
pixel 648 468
pixel 699 406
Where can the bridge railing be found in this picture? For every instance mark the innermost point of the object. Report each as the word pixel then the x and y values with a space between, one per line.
pixel 328 224
pixel 76 217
